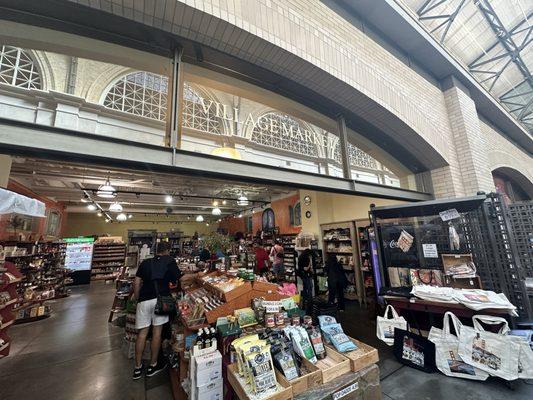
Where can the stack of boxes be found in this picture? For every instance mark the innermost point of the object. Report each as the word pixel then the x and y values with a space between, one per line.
pixel 206 373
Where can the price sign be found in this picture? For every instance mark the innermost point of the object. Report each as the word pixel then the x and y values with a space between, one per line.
pixel 272 306
pixel 346 391
pixel 430 250
pixel 450 214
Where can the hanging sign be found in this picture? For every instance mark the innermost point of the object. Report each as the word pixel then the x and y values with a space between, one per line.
pixel 450 214
pixel 272 306
pixel 430 250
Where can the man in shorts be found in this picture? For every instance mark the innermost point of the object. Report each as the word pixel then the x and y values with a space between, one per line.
pixel 160 270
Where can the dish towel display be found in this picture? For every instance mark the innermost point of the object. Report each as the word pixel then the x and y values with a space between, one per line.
pixel 447 357
pixel 386 326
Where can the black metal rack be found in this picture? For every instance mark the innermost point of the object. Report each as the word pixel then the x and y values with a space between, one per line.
pixel 485 229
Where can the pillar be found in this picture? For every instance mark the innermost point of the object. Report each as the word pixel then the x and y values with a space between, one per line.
pixel 5 170
pixel 469 170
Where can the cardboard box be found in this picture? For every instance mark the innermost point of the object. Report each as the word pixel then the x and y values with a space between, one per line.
pixel 207 369
pixel 217 393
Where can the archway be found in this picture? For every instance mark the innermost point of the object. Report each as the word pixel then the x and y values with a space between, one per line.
pixel 512 184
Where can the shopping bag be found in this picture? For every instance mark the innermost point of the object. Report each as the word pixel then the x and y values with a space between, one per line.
pixel 385 325
pixel 525 358
pixel 447 356
pixel 414 350
pixel 495 353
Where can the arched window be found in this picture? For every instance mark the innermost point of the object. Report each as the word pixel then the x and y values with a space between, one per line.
pixel 295 214
pixel 197 112
pixel 280 131
pixel 18 69
pixel 139 93
pixel 358 158
pixel 269 221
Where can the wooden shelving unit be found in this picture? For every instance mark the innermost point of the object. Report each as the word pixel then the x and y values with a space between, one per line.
pixel 365 261
pixel 290 256
pixel 340 239
pixel 109 259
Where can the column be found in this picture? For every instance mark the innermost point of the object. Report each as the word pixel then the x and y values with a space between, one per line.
pixel 343 145
pixel 5 170
pixel 470 171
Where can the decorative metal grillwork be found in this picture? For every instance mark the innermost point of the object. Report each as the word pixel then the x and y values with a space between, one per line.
pixel 521 214
pixel 196 115
pixel 280 131
pixel 140 93
pixel 358 158
pixel 18 69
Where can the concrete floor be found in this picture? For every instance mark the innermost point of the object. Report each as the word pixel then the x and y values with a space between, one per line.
pixel 76 354
pixel 399 382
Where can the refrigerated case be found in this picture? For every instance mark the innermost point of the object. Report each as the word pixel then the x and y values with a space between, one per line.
pixel 78 259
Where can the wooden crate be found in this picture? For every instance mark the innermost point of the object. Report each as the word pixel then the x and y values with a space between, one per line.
pixel 266 287
pixel 311 379
pixel 334 365
pixel 242 392
pixel 364 356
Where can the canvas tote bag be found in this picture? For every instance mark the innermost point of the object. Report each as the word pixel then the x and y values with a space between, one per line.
pixel 495 353
pixel 447 356
pixel 385 325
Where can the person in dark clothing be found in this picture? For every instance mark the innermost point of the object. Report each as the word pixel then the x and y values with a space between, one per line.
pixel 337 280
pixel 205 255
pixel 159 271
pixel 305 272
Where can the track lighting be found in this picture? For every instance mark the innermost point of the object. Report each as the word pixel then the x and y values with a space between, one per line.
pixel 122 217
pixel 92 207
pixel 98 214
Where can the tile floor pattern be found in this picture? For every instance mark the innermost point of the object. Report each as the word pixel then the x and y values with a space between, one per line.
pixel 76 354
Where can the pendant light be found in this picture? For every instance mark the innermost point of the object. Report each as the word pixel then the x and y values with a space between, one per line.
pixel 106 191
pixel 122 217
pixel 242 200
pixel 199 219
pixel 216 211
pixel 91 207
pixel 115 207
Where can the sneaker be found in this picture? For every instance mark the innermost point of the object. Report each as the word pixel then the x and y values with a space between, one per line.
pixel 137 373
pixel 152 370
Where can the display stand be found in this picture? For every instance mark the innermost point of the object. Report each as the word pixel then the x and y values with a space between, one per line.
pixel 340 239
pixel 289 256
pixel 8 285
pixel 108 259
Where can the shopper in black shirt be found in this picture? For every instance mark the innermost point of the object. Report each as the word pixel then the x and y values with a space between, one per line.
pixel 161 271
pixel 305 265
pixel 337 280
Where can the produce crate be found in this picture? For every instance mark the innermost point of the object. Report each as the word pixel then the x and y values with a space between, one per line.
pixel 364 356
pixel 266 287
pixel 334 365
pixel 242 392
pixel 311 378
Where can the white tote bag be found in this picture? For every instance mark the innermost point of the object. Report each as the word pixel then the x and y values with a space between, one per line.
pixel 495 353
pixel 447 351
pixel 385 325
pixel 525 359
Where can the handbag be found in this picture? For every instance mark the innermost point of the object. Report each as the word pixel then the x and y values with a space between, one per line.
pixel 386 326
pixel 496 353
pixel 414 350
pixel 447 356
pixel 425 277
pixel 165 304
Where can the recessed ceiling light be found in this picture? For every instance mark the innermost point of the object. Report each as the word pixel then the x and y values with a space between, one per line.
pixel 115 207
pixel 216 211
pixel 168 199
pixel 91 207
pixel 199 219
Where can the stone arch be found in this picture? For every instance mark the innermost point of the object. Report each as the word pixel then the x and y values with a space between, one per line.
pixel 518 181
